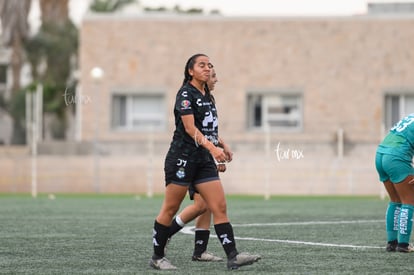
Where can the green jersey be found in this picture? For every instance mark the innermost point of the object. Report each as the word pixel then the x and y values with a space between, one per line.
pixel 399 141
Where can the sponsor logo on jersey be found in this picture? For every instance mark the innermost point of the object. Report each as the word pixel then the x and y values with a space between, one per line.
pixel 185 104
pixel 198 102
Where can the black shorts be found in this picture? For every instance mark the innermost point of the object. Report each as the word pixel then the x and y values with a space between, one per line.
pixel 192 191
pixel 189 169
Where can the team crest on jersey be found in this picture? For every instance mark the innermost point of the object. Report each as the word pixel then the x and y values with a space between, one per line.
pixel 185 104
pixel 180 173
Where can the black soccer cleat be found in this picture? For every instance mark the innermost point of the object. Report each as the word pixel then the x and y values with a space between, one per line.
pixel 405 248
pixel 391 246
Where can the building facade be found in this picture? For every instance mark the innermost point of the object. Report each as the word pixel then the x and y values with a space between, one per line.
pixel 303 102
pixel 303 78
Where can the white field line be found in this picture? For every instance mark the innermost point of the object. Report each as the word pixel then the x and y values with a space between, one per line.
pixel 190 230
pixel 307 223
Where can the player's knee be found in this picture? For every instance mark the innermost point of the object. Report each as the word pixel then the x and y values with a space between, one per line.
pixel 221 207
pixel 201 207
pixel 171 211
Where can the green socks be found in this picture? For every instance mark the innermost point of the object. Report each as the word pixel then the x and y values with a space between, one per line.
pixel 391 220
pixel 406 223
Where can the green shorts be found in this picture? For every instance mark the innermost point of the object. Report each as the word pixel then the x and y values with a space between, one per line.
pixel 393 168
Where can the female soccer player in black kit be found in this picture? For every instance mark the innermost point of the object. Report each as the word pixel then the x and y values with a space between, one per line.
pixel 199 210
pixel 190 161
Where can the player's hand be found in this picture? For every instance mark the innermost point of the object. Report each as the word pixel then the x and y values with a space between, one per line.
pixel 221 167
pixel 218 154
pixel 228 152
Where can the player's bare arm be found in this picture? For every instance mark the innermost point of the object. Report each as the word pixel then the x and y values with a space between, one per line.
pixel 190 128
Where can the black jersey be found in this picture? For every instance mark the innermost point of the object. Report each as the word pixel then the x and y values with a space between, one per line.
pixel 190 100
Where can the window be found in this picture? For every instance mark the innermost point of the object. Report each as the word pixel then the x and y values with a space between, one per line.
pixel 138 112
pixel 396 107
pixel 275 110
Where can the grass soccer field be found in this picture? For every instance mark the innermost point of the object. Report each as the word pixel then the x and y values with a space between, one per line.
pixel 113 235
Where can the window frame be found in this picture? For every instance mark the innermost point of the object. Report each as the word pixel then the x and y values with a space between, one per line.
pixel 388 114
pixel 261 94
pixel 130 115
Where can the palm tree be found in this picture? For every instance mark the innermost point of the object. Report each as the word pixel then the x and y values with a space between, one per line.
pixel 15 29
pixel 53 48
pixel 56 12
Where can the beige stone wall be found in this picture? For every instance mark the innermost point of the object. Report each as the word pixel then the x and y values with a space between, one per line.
pixel 285 169
pixel 341 65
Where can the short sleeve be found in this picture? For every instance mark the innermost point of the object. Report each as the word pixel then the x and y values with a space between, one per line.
pixel 183 102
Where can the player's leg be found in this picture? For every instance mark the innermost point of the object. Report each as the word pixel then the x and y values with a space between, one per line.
pixel 203 221
pixel 401 173
pixel 189 213
pixel 213 194
pixel 202 234
pixel 177 183
pixel 202 229
pixel 405 189
pixel 384 165
pixel 174 195
pixel 392 216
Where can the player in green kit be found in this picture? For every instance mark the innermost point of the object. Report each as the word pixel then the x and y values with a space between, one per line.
pixel 393 163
